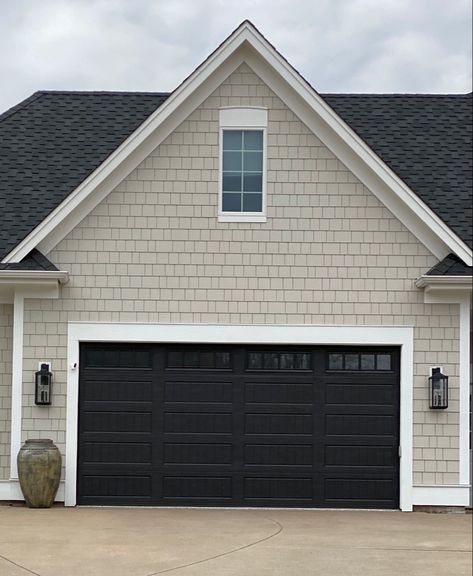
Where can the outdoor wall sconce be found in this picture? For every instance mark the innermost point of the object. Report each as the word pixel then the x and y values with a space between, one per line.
pixel 42 389
pixel 438 386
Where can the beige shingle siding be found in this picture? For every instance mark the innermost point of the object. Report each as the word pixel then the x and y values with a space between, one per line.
pixel 6 342
pixel 329 253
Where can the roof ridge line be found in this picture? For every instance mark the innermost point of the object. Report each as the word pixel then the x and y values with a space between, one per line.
pixel 400 94
pixel 98 92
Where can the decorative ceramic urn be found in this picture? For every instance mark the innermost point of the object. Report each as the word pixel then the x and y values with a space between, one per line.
pixel 39 472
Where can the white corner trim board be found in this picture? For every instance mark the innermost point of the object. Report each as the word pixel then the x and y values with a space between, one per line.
pixel 464 416
pixel 278 334
pixel 17 382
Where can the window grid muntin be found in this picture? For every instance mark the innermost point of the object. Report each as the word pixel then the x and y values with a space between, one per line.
pixel 245 133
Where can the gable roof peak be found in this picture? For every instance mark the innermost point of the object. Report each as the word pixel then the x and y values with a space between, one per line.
pixel 151 124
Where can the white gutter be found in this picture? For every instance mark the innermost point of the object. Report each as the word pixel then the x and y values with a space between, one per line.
pixel 444 282
pixel 33 276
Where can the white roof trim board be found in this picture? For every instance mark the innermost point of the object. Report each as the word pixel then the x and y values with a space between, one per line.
pixel 446 281
pixel 22 276
pixel 191 92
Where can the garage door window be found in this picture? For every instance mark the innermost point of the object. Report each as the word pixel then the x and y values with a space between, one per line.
pixel 198 359
pixel 278 360
pixel 360 362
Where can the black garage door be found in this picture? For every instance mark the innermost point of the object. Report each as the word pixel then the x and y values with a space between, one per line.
pixel 238 426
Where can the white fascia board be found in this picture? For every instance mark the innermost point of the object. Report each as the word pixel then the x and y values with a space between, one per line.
pixel 445 282
pixel 447 240
pixel 445 289
pixel 27 277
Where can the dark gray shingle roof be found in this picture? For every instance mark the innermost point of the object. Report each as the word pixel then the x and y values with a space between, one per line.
pixel 426 140
pixel 451 265
pixel 35 260
pixel 53 140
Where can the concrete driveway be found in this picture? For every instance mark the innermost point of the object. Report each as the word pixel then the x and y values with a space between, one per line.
pixel 145 542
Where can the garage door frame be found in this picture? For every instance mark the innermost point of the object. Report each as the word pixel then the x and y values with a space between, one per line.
pixel 82 332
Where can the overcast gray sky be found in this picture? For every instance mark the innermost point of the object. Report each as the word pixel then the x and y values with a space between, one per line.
pixel 152 45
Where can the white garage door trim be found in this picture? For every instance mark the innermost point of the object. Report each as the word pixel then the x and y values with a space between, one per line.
pixel 207 334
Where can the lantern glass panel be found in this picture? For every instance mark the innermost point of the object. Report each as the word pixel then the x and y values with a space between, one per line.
pixel 438 389
pixel 43 386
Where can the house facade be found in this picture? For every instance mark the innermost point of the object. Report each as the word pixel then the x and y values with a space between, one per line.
pixel 241 302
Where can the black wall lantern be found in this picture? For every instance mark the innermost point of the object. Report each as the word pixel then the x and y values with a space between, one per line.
pixel 438 385
pixel 42 388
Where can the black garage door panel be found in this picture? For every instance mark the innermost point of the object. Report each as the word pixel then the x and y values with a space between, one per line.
pixel 197 488
pixel 198 453
pixel 117 452
pixel 118 390
pixel 359 456
pixel 238 426
pixel 114 489
pixel 198 392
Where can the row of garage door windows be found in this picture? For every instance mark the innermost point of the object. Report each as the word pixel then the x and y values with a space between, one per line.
pixel 255 360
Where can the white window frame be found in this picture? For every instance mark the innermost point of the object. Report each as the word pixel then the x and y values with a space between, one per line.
pixel 242 118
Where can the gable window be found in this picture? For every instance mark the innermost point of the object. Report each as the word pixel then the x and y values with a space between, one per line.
pixel 242 181
pixel 242 194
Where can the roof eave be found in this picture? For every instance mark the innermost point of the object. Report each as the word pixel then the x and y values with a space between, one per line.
pixel 444 282
pixel 33 276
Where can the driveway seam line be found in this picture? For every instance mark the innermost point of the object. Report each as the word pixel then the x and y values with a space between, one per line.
pixel 19 566
pixel 278 531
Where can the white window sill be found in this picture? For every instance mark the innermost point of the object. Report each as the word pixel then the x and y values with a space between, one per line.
pixel 242 218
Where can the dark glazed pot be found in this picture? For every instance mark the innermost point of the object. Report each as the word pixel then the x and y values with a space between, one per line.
pixel 39 471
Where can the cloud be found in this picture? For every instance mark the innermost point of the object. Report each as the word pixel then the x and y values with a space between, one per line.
pixel 152 45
